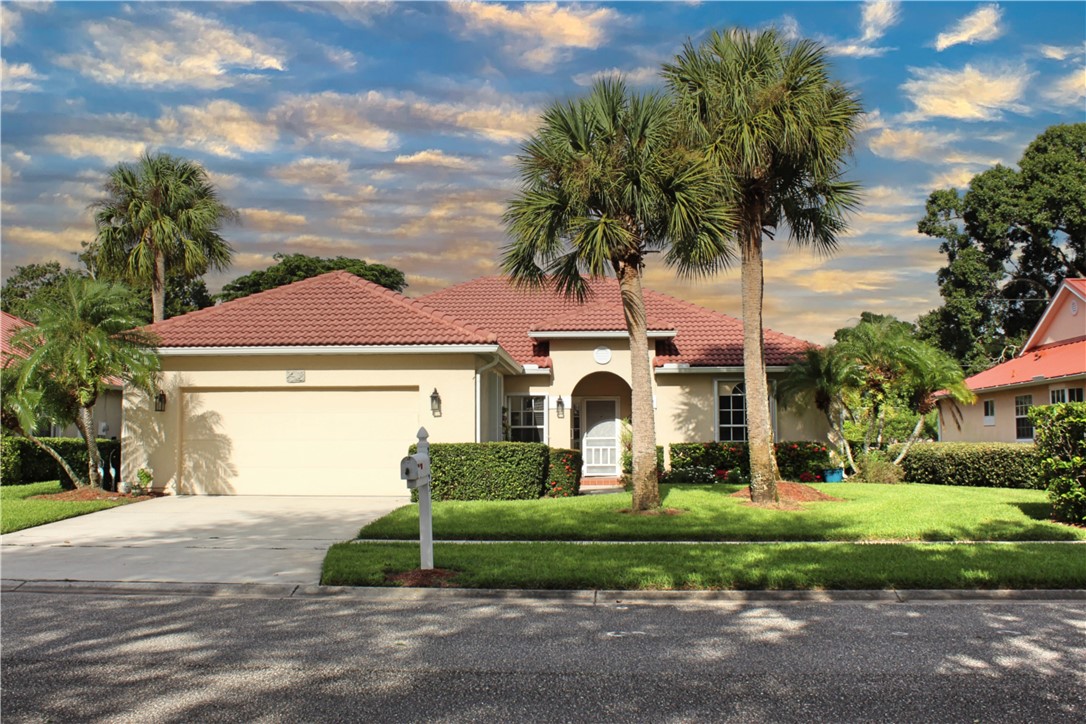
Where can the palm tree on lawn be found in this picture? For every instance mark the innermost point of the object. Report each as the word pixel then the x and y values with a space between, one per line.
pixel 161 212
pixel 82 339
pixel 766 114
pixel 821 378
pixel 603 185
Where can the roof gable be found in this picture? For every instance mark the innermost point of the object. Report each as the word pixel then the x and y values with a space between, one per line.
pixel 334 309
pixel 9 325
pixel 1044 364
pixel 1063 320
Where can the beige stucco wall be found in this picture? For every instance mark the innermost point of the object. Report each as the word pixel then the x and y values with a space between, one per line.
pixel 108 410
pixel 1061 324
pixel 153 440
pixel 972 427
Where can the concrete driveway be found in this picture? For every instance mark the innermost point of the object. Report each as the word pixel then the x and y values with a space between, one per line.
pixel 193 539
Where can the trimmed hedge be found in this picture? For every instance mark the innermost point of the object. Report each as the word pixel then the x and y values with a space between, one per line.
pixel 627 460
pixel 21 461
pixel 1060 432
pixel 977 464
pixel 798 460
pixel 487 470
pixel 563 473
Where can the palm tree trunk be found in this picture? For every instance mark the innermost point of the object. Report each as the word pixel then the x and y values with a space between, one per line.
pixel 158 288
pixel 84 421
pixel 763 463
pixel 909 443
pixel 646 484
pixel 48 450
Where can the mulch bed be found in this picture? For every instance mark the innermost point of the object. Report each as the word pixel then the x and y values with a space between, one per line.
pixel 81 494
pixel 791 495
pixel 418 578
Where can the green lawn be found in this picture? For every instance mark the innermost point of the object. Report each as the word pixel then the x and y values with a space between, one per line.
pixel 661 566
pixel 16 512
pixel 870 513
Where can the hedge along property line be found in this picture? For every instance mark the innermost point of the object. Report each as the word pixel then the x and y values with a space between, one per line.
pixel 977 464
pixel 21 461
pixel 563 474
pixel 487 470
pixel 1060 432
pixel 801 460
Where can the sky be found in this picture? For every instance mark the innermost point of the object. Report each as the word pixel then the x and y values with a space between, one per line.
pixel 390 131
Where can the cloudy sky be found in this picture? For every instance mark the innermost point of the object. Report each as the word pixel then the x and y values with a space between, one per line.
pixel 388 131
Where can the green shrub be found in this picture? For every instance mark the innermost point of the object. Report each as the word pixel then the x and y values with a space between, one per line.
pixel 877 467
pixel 797 460
pixel 21 461
pixel 691 475
pixel 1060 435
pixel 627 460
pixel 563 474
pixel 977 464
pixel 487 470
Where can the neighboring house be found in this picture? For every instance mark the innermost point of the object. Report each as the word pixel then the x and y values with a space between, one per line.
pixel 319 387
pixel 1051 368
pixel 107 411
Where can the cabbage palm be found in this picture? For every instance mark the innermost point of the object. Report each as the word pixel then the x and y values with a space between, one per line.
pixel 83 338
pixel 765 112
pixel 603 185
pixel 821 378
pixel 161 212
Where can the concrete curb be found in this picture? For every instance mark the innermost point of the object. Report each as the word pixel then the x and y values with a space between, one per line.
pixel 276 590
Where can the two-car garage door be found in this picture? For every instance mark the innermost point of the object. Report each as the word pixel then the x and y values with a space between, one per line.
pixel 296 441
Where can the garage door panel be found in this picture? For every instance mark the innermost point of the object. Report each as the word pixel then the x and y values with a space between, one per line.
pixel 297 442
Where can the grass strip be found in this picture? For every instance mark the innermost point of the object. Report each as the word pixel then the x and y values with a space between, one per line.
pixel 709 513
pixel 17 512
pixel 787 566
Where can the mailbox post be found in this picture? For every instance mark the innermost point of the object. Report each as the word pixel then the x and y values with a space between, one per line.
pixel 415 470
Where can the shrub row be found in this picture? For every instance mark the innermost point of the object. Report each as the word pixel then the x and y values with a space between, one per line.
pixel 21 461
pixel 797 460
pixel 501 471
pixel 979 464
pixel 1060 432
pixel 627 460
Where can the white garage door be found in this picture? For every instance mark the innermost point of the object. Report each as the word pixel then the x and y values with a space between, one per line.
pixel 296 442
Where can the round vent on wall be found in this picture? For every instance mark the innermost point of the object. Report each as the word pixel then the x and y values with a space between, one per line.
pixel 1074 307
pixel 602 355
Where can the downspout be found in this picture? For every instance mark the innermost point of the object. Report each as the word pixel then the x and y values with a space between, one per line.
pixel 479 397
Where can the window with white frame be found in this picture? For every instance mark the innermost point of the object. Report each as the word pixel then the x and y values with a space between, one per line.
pixel 527 418
pixel 731 412
pixel 989 412
pixel 1023 428
pixel 1065 394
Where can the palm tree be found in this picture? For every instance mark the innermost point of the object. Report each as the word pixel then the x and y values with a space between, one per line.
pixel 160 212
pixel 822 378
pixel 765 113
pixel 931 370
pixel 604 184
pixel 82 339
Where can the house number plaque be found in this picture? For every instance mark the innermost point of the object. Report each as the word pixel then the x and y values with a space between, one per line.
pixel 295 376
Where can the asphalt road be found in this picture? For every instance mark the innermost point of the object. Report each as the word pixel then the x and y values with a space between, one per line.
pixel 248 656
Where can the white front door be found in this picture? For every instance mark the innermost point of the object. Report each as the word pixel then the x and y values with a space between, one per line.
pixel 600 445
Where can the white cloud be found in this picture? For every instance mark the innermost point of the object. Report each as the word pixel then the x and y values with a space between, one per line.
pixel 271 220
pixel 340 57
pixel 110 149
pixel 978 26
pixel 338 118
pixel 970 94
pixel 66 240
pixel 351 12
pixel 221 127
pixel 308 171
pixel 957 177
pixel 634 76
pixel 189 50
pixel 542 33
pixel 18 77
pixel 10 22
pixel 889 197
pixel 876 17
pixel 435 157
pixel 1056 52
pixel 1069 90
pixel 925 145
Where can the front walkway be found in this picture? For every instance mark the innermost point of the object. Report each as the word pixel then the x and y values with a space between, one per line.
pixel 193 539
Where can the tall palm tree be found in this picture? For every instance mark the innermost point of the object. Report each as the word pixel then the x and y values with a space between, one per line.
pixel 765 113
pixel 821 378
pixel 161 212
pixel 604 184
pixel 85 337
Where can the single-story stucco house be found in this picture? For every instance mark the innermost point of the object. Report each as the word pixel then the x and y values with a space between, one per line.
pixel 1051 368
pixel 318 387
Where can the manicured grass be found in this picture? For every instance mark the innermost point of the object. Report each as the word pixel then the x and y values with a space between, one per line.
pixel 870 513
pixel 660 566
pixel 16 512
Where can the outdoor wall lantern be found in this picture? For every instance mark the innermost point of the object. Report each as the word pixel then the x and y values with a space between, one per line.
pixel 160 401
pixel 435 403
pixel 560 407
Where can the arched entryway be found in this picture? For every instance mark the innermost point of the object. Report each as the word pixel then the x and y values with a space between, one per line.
pixel 600 402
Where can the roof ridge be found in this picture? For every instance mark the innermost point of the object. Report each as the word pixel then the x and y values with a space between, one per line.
pixel 1053 345
pixel 714 312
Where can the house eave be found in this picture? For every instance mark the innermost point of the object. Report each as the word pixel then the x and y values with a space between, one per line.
pixel 345 349
pixel 600 334
pixel 686 369
pixel 1034 382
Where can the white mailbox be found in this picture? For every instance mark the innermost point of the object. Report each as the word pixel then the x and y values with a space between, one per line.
pixel 415 471
pixel 411 471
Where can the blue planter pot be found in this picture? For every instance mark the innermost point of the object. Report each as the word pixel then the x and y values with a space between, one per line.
pixel 836 475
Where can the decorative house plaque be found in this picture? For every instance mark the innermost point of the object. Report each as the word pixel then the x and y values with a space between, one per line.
pixel 602 355
pixel 295 376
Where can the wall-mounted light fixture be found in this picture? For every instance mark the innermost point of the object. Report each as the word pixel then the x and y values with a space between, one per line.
pixel 560 407
pixel 435 403
pixel 160 402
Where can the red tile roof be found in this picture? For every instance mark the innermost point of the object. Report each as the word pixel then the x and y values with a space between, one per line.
pixel 337 308
pixel 1050 362
pixel 9 324
pixel 704 337
pixel 1078 284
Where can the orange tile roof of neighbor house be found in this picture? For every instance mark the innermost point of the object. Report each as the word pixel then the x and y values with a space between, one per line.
pixel 1051 362
pixel 332 309
pixel 9 324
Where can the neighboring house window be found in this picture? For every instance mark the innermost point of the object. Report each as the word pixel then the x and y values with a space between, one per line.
pixel 1074 394
pixel 989 412
pixel 731 413
pixel 575 428
pixel 1069 394
pixel 1023 428
pixel 1058 396
pixel 527 418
